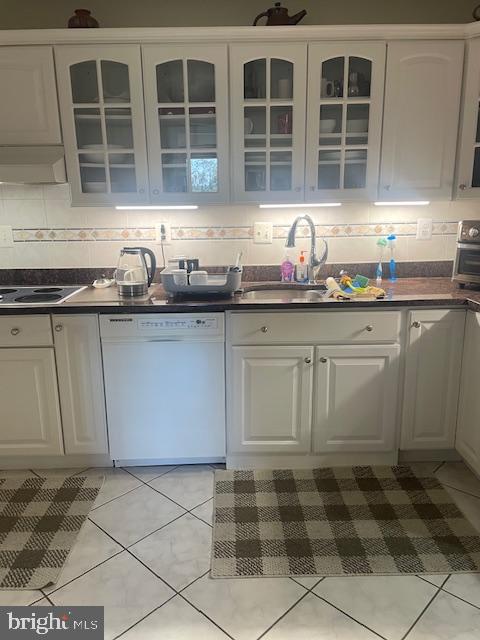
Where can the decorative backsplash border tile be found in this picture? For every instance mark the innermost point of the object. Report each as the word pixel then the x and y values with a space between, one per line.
pixel 148 234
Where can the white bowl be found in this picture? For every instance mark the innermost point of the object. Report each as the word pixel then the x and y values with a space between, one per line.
pixel 94 187
pixel 357 126
pixel 328 125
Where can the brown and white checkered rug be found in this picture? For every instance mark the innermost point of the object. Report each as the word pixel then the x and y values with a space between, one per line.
pixel 338 521
pixel 40 519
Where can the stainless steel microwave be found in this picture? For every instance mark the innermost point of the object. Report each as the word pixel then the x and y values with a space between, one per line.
pixel 466 269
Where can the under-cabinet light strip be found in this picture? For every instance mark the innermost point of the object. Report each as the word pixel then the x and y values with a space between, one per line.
pixel 405 203
pixel 154 207
pixel 298 206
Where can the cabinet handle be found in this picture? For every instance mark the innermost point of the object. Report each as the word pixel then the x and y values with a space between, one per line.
pixel 308 360
pixel 155 192
pixel 59 327
pixel 141 190
pixel 369 327
pixel 416 324
pixel 323 360
pixel 264 329
pixel 15 331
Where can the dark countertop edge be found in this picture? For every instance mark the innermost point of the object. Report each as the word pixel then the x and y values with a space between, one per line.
pixel 228 305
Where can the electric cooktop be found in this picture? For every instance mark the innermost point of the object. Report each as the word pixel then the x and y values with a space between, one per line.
pixel 17 296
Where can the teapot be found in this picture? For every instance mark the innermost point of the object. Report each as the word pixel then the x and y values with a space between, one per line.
pixel 278 15
pixel 132 275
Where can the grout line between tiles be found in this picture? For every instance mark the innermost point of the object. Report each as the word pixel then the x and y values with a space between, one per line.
pixel 439 467
pixel 421 613
pixel 349 616
pixel 432 583
pixel 459 597
pixel 467 493
pixel 205 615
pixel 151 479
pixel 144 617
pixel 307 588
pixel 304 595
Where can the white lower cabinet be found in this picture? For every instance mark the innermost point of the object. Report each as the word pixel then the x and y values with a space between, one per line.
pixel 30 414
pixel 355 398
pixel 432 378
pixel 80 381
pixel 270 399
pixel 467 441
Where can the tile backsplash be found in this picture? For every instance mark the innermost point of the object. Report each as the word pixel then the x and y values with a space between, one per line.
pixel 49 233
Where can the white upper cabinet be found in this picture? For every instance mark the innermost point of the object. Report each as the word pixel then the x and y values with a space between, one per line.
pixel 422 96
pixel 344 120
pixel 268 94
pixel 468 171
pixel 186 98
pixel 101 103
pixel 28 104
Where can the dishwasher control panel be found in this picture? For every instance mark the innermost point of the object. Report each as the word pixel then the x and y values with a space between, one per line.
pixel 169 324
pixel 156 326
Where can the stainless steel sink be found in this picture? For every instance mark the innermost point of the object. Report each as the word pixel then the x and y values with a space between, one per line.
pixel 284 294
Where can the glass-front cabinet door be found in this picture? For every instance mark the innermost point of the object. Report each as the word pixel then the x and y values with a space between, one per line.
pixel 101 103
pixel 344 117
pixel 267 92
pixel 187 122
pixel 468 169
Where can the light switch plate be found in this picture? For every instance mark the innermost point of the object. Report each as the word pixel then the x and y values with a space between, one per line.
pixel 424 228
pixel 163 233
pixel 263 233
pixel 6 236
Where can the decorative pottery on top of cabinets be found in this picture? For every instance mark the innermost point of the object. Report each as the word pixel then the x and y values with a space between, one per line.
pixel 344 114
pixel 278 16
pixel 101 102
pixel 187 122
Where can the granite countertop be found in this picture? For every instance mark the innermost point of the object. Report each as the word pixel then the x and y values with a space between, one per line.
pixel 406 292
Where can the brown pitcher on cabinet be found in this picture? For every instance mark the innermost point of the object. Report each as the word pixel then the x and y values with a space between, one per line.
pixel 278 15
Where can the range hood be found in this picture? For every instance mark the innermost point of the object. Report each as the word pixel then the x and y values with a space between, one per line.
pixel 32 165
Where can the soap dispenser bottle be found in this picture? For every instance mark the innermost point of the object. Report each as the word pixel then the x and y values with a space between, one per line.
pixel 286 269
pixel 301 271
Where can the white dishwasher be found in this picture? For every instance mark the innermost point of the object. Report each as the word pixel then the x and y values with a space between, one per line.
pixel 165 387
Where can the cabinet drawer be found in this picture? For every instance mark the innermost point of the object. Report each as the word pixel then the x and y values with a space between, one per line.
pixel 315 327
pixel 25 331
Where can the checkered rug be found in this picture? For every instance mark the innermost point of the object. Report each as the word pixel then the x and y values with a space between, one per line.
pixel 39 522
pixel 338 521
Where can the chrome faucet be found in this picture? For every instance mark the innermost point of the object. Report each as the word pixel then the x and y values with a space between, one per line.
pixel 313 262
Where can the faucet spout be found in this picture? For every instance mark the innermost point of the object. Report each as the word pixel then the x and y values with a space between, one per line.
pixel 314 261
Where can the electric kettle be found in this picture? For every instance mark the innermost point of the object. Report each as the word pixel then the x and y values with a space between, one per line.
pixel 132 274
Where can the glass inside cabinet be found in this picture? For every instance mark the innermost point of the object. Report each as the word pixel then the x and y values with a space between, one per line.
pixel 268 124
pixel 344 116
pixel 187 118
pixel 103 126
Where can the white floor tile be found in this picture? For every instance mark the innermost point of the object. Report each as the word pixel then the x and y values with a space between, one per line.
pixel 386 604
pixel 179 553
pixel 459 476
pixel 91 548
pixel 135 515
pixel 189 485
pixel 20 598
pixel 149 473
pixel 436 579
pixel 309 583
pixel 117 482
pixel 469 505
pixel 126 589
pixel 447 618
pixel 466 586
pixel 313 619
pixel 205 511
pixel 244 608
pixel 42 603
pixel 177 620
pixel 423 468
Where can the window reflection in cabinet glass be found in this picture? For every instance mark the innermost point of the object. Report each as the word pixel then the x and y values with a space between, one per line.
pixel 203 128
pixel 255 170
pixel 281 170
pixel 355 169
pixel 329 169
pixel 333 72
pixel 170 81
pixel 281 79
pixel 88 127
pixel 174 171
pixel 359 77
pixel 84 82
pixel 115 80
pixel 201 81
pixel 172 128
pixel 255 79
pixel 118 125
pixel 204 172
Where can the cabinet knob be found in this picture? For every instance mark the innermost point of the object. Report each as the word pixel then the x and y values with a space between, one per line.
pixel 141 190
pixel 387 187
pixel 59 327
pixel 323 360
pixel 308 360
pixel 369 327
pixel 462 187
pixel 264 329
pixel 15 331
pixel 416 324
pixel 155 192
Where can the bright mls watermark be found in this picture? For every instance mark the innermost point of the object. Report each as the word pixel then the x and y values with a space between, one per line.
pixel 57 623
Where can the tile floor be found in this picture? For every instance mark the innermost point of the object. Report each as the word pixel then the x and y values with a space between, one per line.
pixel 144 554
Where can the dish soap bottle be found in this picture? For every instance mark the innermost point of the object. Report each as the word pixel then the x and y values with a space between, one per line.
pixel 301 271
pixel 287 269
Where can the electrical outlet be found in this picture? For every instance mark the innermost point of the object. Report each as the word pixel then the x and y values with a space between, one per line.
pixel 6 236
pixel 263 233
pixel 424 228
pixel 163 233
